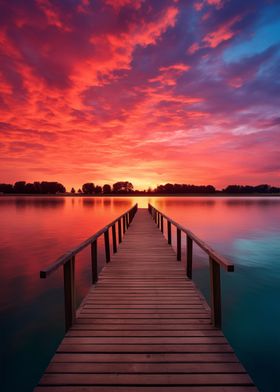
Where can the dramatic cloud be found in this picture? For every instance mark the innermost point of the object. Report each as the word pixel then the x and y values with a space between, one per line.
pixel 168 91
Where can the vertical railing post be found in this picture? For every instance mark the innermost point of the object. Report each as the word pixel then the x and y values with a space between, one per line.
pixel 107 246
pixel 120 230
pixel 169 235
pixel 161 223
pixel 189 254
pixel 94 261
pixel 124 228
pixel 114 238
pixel 215 289
pixel 126 221
pixel 178 244
pixel 69 292
pixel 158 219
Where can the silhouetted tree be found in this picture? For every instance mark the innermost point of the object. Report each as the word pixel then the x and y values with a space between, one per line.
pixel 19 187
pixel 79 190
pixel 106 189
pixel 30 188
pixel 52 187
pixel 123 187
pixel 274 189
pixel 6 188
pixel 88 188
pixel 37 187
pixel 98 189
pixel 263 188
pixel 183 188
pixel 73 190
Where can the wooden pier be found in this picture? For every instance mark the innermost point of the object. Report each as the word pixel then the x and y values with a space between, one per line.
pixel 144 326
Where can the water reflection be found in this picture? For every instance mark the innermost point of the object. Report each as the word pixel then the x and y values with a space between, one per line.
pixel 36 230
pixel 32 202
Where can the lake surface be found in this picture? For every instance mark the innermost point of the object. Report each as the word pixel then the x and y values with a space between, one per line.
pixel 36 230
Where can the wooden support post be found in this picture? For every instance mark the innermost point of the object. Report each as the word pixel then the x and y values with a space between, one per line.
pixel 158 220
pixel 107 246
pixel 120 230
pixel 178 244
pixel 94 261
pixel 169 235
pixel 114 238
pixel 69 293
pixel 189 253
pixel 215 289
pixel 126 221
pixel 161 223
pixel 123 221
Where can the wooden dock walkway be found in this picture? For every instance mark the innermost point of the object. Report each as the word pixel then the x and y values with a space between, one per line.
pixel 144 327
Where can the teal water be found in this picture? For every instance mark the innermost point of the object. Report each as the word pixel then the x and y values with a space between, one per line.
pixel 36 230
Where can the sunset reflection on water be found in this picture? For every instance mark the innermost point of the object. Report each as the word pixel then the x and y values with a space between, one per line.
pixel 37 230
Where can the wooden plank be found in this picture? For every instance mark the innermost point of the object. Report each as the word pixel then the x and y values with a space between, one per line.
pixel 145 340
pixel 143 348
pixel 139 333
pixel 145 379
pixel 145 357
pixel 114 388
pixel 74 367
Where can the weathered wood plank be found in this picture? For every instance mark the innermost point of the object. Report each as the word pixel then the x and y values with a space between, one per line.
pixel 114 388
pixel 143 348
pixel 145 357
pixel 139 333
pixel 146 379
pixel 126 368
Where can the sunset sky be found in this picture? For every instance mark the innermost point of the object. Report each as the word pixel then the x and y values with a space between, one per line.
pixel 148 91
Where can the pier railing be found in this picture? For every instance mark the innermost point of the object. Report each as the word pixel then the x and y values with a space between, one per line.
pixel 215 260
pixel 67 261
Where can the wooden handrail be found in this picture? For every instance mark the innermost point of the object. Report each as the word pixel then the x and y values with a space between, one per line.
pixel 227 265
pixel 68 261
pixel 215 260
pixel 68 255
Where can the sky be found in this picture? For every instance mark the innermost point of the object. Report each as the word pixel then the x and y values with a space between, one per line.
pixel 157 91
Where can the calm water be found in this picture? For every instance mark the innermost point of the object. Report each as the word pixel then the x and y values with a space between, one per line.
pixel 36 230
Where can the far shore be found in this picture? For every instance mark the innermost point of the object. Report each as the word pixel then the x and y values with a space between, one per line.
pixel 144 195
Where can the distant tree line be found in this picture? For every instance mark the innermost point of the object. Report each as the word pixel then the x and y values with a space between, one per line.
pixel 263 188
pixel 184 188
pixel 44 187
pixel 126 187
pixel 121 187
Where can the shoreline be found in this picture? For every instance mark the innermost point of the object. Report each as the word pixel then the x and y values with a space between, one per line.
pixel 145 195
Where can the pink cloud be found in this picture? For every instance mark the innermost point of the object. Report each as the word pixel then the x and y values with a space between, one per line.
pixel 222 33
pixel 216 3
pixel 52 14
pixel 193 48
pixel 199 5
pixel 118 4
pixel 169 75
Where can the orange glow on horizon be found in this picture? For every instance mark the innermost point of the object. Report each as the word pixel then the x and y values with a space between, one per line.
pixel 149 93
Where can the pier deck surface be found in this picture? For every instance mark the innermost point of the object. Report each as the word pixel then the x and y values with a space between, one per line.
pixel 144 327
